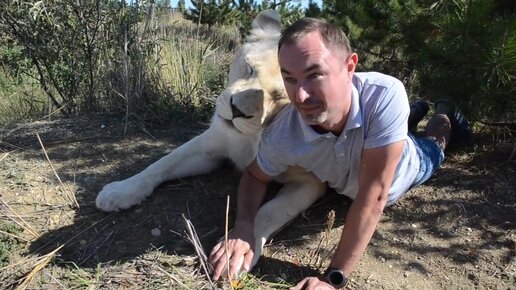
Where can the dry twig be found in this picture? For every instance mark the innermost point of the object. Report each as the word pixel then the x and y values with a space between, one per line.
pixel 194 239
pixel 14 236
pixel 68 192
pixel 172 277
pixel 27 226
pixel 5 155
pixel 43 261
pixel 226 242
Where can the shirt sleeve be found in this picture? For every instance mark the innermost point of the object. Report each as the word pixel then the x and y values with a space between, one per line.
pixel 388 117
pixel 269 156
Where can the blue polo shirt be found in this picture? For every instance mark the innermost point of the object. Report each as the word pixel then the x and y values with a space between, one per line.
pixel 378 117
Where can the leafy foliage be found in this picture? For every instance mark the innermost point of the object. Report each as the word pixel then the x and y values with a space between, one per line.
pixel 210 12
pixel 468 56
pixel 8 244
pixel 241 12
pixel 66 45
pixel 109 55
pixel 91 56
pixel 462 50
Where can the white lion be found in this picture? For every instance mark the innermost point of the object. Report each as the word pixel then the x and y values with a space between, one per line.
pixel 254 95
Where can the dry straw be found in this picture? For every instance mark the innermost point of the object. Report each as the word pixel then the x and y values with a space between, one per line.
pixel 25 225
pixel 68 192
pixel 42 262
pixel 194 240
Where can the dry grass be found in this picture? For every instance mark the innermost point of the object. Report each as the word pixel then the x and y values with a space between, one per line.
pixel 168 65
pixel 456 231
pixel 193 61
pixel 59 245
pixel 20 99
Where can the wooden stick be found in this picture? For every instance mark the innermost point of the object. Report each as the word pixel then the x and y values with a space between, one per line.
pixel 226 242
pixel 28 226
pixel 5 155
pixel 172 277
pixel 68 193
pixel 194 239
pixel 40 265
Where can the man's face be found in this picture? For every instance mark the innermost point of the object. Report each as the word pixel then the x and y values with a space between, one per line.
pixel 318 82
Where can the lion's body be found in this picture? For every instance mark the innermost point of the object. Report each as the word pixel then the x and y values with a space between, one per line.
pixel 255 94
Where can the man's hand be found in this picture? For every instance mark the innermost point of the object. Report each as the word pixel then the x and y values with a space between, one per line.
pixel 312 283
pixel 240 253
pixel 241 242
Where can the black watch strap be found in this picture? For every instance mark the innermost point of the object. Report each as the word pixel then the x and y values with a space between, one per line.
pixel 335 277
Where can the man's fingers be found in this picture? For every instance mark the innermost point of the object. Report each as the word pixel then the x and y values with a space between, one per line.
pixel 218 268
pixel 218 259
pixel 235 264
pixel 248 258
pixel 300 285
pixel 312 283
pixel 237 253
pixel 218 256
pixel 215 250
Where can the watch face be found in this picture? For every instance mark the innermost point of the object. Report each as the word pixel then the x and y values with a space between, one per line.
pixel 336 278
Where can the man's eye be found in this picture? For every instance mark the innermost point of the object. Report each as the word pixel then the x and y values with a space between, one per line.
pixel 314 76
pixel 290 80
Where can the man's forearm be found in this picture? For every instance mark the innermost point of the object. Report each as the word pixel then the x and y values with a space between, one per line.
pixel 361 222
pixel 251 193
pixel 374 181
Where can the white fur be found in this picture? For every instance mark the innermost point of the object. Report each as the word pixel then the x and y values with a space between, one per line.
pixel 259 95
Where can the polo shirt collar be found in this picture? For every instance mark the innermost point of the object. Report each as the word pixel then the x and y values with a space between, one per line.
pixel 354 120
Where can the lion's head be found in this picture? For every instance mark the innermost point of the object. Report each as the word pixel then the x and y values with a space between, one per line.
pixel 255 92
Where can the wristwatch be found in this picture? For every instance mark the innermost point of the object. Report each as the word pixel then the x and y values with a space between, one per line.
pixel 335 278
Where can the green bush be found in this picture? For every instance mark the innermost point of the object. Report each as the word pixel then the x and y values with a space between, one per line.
pixel 110 56
pixel 464 50
pixel 8 244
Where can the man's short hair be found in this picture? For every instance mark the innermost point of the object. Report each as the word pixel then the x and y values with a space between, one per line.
pixel 333 37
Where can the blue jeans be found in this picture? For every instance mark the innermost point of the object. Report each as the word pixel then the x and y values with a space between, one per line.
pixel 431 156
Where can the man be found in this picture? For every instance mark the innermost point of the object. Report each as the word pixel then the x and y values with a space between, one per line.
pixel 350 130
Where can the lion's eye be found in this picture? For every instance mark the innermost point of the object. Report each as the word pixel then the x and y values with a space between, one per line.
pixel 250 70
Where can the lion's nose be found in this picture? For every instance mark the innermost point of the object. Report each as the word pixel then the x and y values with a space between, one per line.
pixel 237 113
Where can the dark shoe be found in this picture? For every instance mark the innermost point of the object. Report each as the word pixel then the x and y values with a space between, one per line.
pixel 461 132
pixel 418 111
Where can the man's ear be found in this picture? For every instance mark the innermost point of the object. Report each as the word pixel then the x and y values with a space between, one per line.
pixel 352 62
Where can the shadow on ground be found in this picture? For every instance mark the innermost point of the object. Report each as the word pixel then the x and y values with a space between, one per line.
pixel 473 196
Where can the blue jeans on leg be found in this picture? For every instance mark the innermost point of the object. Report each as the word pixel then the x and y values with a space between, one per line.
pixel 431 156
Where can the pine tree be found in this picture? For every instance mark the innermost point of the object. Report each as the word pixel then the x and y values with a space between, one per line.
pixel 469 58
pixel 210 12
pixel 289 11
pixel 181 7
pixel 313 10
pixel 463 50
pixel 246 11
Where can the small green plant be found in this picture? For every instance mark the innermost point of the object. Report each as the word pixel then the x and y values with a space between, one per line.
pixel 8 243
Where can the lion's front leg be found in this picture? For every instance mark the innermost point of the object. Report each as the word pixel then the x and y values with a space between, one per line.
pixel 295 196
pixel 199 155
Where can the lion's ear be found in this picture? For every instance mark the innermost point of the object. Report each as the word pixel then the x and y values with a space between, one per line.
pixel 266 24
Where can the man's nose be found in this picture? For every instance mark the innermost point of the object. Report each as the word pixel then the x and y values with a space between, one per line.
pixel 302 92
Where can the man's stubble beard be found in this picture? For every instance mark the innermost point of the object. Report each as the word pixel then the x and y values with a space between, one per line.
pixel 315 120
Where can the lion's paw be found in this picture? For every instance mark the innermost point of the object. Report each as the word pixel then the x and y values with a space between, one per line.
pixel 121 195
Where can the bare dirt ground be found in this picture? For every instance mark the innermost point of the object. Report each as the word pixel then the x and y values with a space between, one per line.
pixel 455 232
